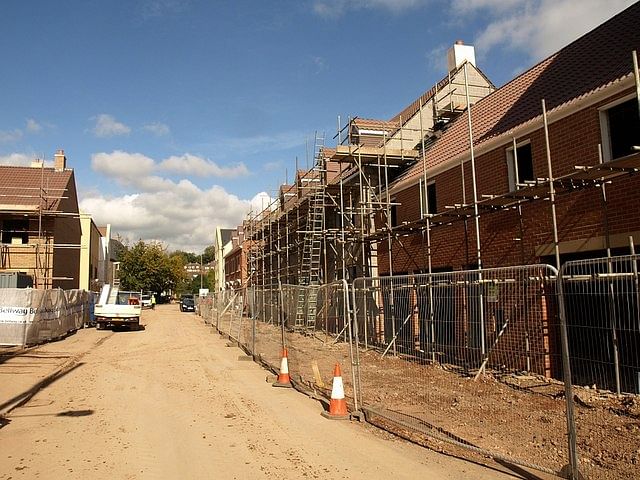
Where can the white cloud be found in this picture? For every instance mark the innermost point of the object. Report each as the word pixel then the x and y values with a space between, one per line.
pixel 158 129
pixel 437 57
pixel 193 165
pixel 260 202
pixel 17 159
pixel 122 165
pixel 181 216
pixel 33 126
pixel 466 6
pixel 335 8
pixel 178 213
pixel 10 136
pixel 137 169
pixel 107 126
pixel 537 27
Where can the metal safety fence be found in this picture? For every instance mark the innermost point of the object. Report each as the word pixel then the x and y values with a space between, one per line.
pixel 520 364
pixel 424 342
pixel 601 301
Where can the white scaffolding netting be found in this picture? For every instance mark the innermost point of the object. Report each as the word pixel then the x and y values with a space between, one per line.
pixel 29 316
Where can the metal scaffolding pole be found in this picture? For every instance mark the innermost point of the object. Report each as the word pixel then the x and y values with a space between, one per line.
pixel 552 192
pixel 476 216
pixel 427 232
pixel 636 75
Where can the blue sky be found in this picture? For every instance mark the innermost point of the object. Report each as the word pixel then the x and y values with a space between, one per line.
pixel 180 115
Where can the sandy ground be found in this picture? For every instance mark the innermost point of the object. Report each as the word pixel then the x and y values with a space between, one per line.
pixel 173 401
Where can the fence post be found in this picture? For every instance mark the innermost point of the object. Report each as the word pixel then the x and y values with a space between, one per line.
pixel 353 334
pixel 571 470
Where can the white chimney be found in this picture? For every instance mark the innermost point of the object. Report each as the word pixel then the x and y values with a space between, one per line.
pixel 459 53
pixel 60 161
pixel 37 163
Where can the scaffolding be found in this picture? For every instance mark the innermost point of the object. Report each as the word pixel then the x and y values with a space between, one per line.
pixel 331 222
pixel 27 248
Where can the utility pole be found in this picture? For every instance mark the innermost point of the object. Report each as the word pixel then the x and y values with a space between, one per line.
pixel 201 271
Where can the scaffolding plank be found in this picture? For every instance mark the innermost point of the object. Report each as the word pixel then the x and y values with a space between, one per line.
pixel 372 154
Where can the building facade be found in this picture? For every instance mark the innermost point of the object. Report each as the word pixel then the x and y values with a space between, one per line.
pixel 41 231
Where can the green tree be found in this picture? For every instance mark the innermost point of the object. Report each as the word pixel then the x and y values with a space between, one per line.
pixel 187 257
pixel 195 283
pixel 179 259
pixel 147 266
pixel 209 254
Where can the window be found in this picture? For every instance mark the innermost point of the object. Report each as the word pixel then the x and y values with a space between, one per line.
pixel 429 201
pixel 394 215
pixel 620 126
pixel 521 170
pixel 15 232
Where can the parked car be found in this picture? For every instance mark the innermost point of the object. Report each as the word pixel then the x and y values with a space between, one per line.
pixel 146 300
pixel 187 303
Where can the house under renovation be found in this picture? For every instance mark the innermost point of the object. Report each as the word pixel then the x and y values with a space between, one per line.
pixel 468 178
pixel 41 232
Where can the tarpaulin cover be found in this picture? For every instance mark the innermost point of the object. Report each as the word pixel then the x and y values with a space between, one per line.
pixel 29 316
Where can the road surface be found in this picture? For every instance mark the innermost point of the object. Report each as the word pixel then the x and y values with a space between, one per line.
pixel 173 401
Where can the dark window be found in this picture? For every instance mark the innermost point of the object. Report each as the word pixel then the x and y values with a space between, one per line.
pixel 394 215
pixel 429 201
pixel 624 128
pixel 522 170
pixel 15 231
pixel 431 196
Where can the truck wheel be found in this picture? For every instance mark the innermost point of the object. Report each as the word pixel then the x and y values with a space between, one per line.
pixel 99 326
pixel 134 326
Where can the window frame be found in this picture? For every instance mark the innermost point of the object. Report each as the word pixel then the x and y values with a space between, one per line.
pixel 424 198
pixel 510 158
pixel 605 128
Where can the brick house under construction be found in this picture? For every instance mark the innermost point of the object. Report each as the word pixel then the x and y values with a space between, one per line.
pixel 542 171
pixel 468 177
pixel 320 228
pixel 40 224
pixel 363 209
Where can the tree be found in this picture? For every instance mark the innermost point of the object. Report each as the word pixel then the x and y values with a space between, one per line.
pixel 146 266
pixel 209 254
pixel 187 257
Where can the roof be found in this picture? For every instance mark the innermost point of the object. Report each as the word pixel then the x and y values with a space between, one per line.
pixel 392 126
pixel 594 61
pixel 423 99
pixel 373 124
pixel 22 188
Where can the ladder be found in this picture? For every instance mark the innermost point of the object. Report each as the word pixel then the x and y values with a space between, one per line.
pixel 306 306
pixel 113 293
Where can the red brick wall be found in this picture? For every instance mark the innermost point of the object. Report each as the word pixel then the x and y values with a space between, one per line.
pixel 573 141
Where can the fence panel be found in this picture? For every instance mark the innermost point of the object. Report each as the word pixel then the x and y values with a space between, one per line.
pixel 324 342
pixel 601 302
pixel 266 326
pixel 467 358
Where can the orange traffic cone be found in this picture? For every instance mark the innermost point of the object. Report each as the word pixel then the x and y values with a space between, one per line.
pixel 337 405
pixel 283 377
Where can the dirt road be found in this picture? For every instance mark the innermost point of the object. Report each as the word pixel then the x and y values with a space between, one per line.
pixel 174 402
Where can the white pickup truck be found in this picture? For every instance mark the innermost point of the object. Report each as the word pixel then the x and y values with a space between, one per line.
pixel 117 308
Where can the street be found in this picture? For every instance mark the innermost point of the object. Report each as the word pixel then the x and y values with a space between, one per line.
pixel 173 401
